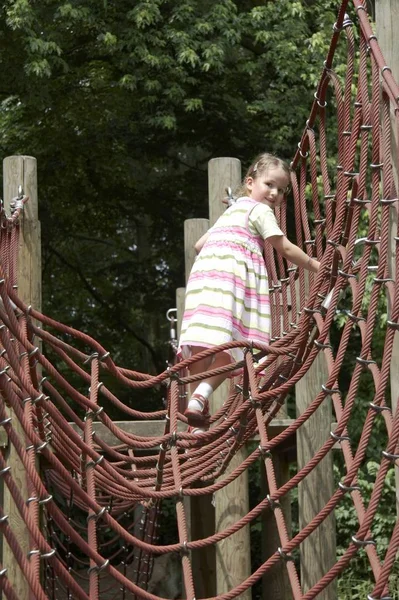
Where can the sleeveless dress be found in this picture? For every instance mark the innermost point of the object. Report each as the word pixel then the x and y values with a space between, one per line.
pixel 227 294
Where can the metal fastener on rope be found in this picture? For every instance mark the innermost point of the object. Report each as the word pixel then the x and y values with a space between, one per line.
pixel 41 447
pixel 3 572
pixel 347 275
pixel 98 568
pixel 48 554
pixel 389 456
pixel 174 376
pixel 264 451
pixel 318 222
pixel 31 499
pixel 309 242
pixel 4 471
pixel 173 438
pixel 99 385
pixel 104 356
pixel 40 397
pixel 376 165
pixel 393 324
pixel 347 21
pixel 388 201
pixel 321 345
pixel 46 500
pixel 361 201
pixel 273 503
pixel 370 597
pixel 255 403
pixel 98 515
pixel 311 311
pixel 90 358
pixel 366 240
pixel 364 361
pixel 382 279
pixel 333 243
pixel 5 421
pixel 301 153
pixel 378 408
pixel 327 390
pixel 3 519
pixel 32 553
pixel 353 317
pixel 351 173
pixel 340 438
pixel 371 37
pixel 94 463
pixel 184 549
pixel 319 102
pixel 348 488
pixel 284 555
pixel 93 414
pixel 361 543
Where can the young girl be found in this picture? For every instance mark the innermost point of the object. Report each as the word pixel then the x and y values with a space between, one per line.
pixel 227 295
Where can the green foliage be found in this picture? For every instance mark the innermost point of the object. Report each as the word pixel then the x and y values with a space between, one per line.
pixel 123 105
pixel 356 581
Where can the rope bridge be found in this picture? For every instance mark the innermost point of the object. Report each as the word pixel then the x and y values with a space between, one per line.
pixel 93 501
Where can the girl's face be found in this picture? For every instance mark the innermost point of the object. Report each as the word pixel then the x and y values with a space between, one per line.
pixel 269 186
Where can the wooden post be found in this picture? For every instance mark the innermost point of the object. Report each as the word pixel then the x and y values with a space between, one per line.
pixel 318 551
pixel 21 171
pixel 386 15
pixel 199 509
pixel 233 555
pixel 276 583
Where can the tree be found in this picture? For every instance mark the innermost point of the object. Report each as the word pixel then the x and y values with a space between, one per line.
pixel 123 105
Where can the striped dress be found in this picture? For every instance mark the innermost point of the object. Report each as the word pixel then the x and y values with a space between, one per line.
pixel 227 294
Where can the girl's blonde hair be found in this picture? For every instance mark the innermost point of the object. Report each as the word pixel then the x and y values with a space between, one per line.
pixel 262 163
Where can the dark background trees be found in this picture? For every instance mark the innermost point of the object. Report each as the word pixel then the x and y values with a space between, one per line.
pixel 123 104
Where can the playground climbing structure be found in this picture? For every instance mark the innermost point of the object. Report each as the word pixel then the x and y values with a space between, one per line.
pixel 92 503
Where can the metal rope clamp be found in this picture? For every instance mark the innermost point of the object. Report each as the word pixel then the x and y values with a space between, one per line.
pixel 362 543
pixel 97 516
pixel 284 555
pixel 98 568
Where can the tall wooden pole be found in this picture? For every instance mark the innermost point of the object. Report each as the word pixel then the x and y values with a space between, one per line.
pixel 233 556
pixel 21 171
pixel 387 18
pixel 199 509
pixel 318 551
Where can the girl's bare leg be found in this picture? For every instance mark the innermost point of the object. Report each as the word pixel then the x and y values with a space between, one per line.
pixel 197 411
pixel 208 364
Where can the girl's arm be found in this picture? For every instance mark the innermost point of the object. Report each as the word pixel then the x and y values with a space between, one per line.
pixel 293 253
pixel 198 245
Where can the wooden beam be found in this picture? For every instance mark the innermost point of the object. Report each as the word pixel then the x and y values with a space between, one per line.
pixel 233 555
pixel 21 171
pixel 318 551
pixel 387 18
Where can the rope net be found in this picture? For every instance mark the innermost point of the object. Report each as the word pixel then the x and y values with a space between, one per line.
pixel 93 506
